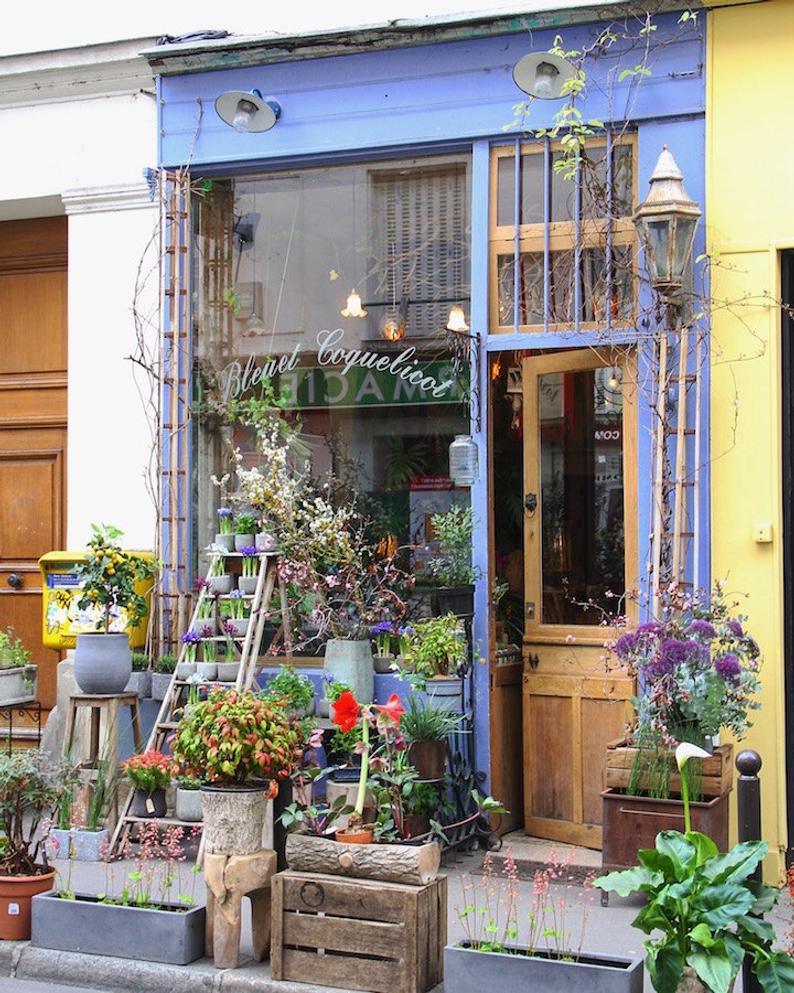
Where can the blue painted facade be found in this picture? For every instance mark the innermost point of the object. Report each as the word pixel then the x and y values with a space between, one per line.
pixel 452 96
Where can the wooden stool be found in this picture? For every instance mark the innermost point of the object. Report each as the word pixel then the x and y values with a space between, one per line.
pixel 100 705
pixel 229 878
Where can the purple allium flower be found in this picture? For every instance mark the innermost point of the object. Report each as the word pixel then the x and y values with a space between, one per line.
pixel 650 627
pixel 224 511
pixel 191 638
pixel 735 628
pixel 249 551
pixel 702 629
pixel 728 667
pixel 673 652
pixel 625 645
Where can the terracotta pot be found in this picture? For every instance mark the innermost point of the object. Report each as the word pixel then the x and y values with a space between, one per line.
pixel 429 758
pixel 355 836
pixel 16 893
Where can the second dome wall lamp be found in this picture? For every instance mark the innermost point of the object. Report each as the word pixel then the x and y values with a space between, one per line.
pixel 247 111
pixel 542 75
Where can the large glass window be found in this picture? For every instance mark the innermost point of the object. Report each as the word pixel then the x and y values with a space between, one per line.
pixel 332 287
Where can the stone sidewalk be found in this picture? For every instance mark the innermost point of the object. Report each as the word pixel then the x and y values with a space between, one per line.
pixel 607 930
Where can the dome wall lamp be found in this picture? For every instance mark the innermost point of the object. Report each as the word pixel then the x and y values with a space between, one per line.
pixel 247 111
pixel 543 75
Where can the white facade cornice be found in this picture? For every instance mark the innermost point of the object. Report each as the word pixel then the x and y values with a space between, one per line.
pixel 75 74
pixel 107 199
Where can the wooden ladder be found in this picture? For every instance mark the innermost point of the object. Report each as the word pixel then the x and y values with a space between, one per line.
pixel 676 462
pixel 167 718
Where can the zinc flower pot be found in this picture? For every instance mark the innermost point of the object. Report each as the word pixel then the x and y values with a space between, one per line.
pixel 173 935
pixel 350 662
pixel 382 663
pixel 188 804
pixel 247 584
pixel 80 843
pixel 18 684
pixel 240 626
pixel 207 670
pixel 242 541
pixel 102 662
pixel 185 669
pixel 265 541
pixel 227 671
pixel 140 683
pixel 443 693
pixel 160 683
pixel 469 971
pixel 221 584
pixel 234 818
pixel 16 893
pixel 225 541
pixel 148 804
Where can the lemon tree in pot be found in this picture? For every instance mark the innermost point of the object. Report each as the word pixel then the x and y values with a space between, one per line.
pixel 108 576
pixel 241 746
pixel 32 788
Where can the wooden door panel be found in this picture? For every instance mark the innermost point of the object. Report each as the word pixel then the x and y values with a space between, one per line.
pixel 507 769
pixel 31 484
pixel 33 305
pixel 549 721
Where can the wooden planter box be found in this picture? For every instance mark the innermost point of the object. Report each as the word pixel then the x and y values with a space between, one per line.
pixel 470 971
pixel 632 822
pixel 383 937
pixel 716 773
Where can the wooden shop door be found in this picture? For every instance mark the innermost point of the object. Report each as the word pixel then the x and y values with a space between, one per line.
pixel 580 544
pixel 33 337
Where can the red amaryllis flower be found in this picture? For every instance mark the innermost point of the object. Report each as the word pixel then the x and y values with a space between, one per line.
pixel 344 711
pixel 394 708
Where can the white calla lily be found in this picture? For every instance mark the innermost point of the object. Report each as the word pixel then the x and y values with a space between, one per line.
pixel 686 751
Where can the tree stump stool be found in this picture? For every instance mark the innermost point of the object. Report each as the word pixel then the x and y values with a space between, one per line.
pixel 229 878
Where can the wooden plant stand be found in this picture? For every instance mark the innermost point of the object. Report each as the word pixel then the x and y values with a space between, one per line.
pixel 229 878
pixel 385 937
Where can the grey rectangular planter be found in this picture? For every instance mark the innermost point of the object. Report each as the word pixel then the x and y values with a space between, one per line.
pixel 469 971
pixel 140 683
pixel 85 845
pixel 18 685
pixel 175 937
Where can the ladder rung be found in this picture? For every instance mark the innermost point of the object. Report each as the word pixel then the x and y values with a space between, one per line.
pixel 686 431
pixel 681 534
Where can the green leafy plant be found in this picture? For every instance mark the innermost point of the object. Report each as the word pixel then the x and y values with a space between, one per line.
pixel 165 664
pixel 315 818
pixel 706 907
pixel 453 531
pixel 295 690
pixel 32 787
pixel 436 648
pixel 424 722
pixel 108 576
pixel 148 771
pixel 140 662
pixel 13 654
pixel 235 736
pixel 245 524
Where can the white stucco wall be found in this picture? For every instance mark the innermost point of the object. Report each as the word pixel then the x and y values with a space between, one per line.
pixel 80 127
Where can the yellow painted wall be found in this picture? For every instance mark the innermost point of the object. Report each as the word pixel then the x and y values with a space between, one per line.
pixel 750 214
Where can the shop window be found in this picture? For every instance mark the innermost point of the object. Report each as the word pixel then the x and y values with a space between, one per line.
pixel 574 267
pixel 328 291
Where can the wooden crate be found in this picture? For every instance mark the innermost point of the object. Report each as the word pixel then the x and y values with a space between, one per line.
pixel 716 773
pixel 358 934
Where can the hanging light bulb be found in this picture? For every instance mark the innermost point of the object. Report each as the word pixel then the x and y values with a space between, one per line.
pixel 545 77
pixel 457 319
pixel 614 382
pixel 392 329
pixel 353 308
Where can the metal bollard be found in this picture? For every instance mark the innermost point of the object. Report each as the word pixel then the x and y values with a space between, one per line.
pixel 748 801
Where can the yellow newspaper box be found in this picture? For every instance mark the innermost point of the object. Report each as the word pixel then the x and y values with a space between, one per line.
pixel 62 620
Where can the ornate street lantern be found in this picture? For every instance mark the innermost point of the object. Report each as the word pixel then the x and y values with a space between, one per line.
pixel 666 221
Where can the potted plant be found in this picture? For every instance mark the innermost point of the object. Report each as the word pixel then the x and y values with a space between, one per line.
pixel 219 579
pixel 697 670
pixel 17 675
pixel 228 668
pixel 535 949
pixel 163 670
pixel 233 741
pixel 452 570
pixel 246 583
pixel 140 681
pixel 151 912
pixel 703 909
pixel 294 691
pixel 238 612
pixel 384 633
pixel 426 728
pixel 436 654
pixel 188 799
pixel 79 833
pixel 405 804
pixel 225 537
pixel 244 531
pixel 149 773
pixel 206 606
pixel 31 789
pixel 108 577
pixel 187 660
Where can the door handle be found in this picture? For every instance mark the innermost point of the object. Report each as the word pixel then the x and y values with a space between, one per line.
pixel 533 660
pixel 531 502
pixel 15 580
